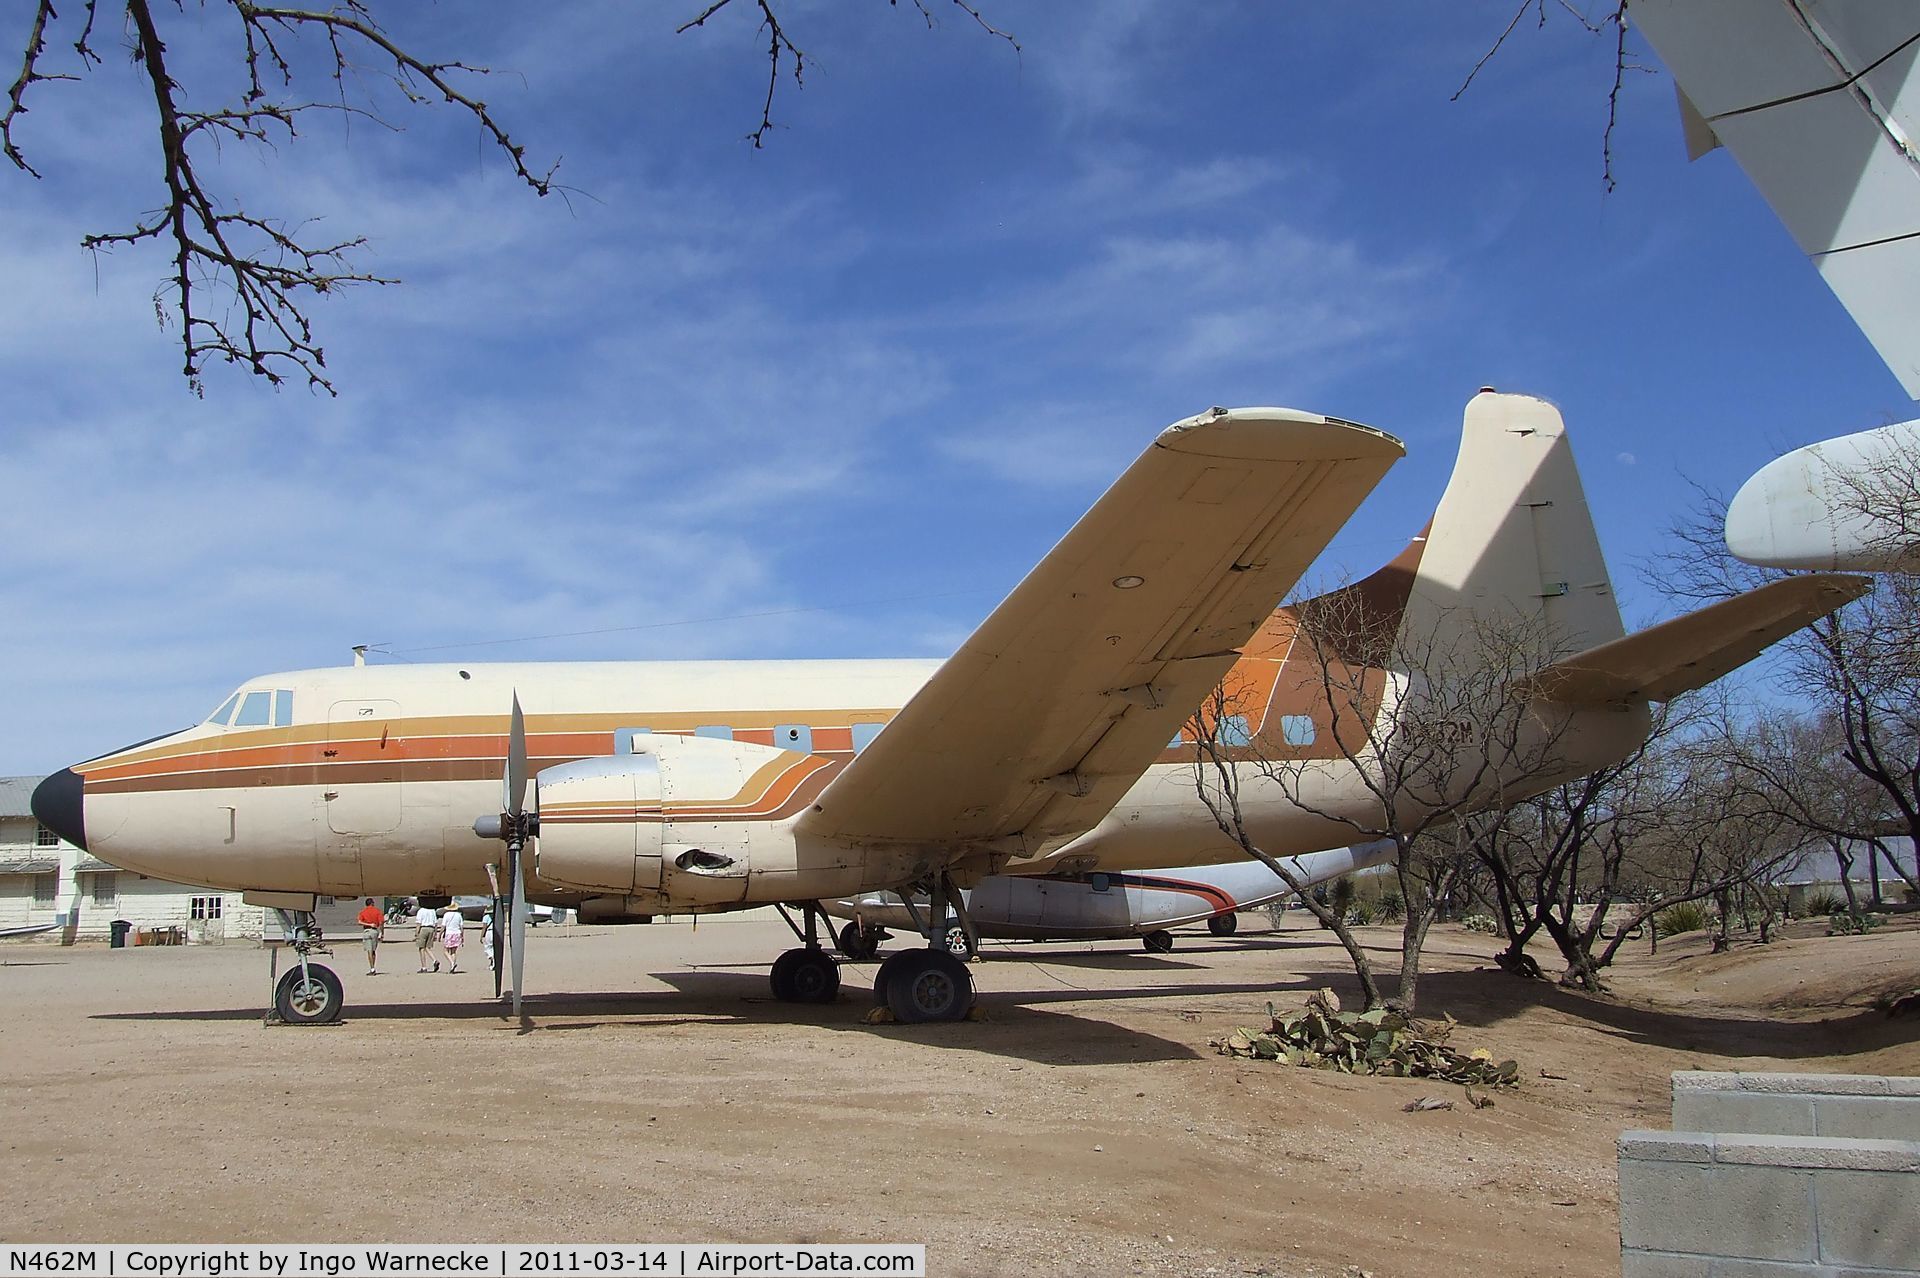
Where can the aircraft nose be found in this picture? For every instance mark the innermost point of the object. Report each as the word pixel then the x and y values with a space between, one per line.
pixel 57 805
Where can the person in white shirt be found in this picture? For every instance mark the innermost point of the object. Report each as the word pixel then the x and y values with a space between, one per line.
pixel 453 928
pixel 424 923
pixel 486 939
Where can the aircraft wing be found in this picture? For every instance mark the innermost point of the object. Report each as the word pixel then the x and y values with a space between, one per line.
pixel 1078 680
pixel 1689 652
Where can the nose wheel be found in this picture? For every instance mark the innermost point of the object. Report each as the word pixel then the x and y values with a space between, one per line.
pixel 309 994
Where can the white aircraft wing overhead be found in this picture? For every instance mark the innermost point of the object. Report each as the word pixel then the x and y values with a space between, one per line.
pixel 1078 680
pixel 1819 101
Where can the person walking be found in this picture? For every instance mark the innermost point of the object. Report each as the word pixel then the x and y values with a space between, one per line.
pixel 453 930
pixel 372 920
pixel 486 939
pixel 424 924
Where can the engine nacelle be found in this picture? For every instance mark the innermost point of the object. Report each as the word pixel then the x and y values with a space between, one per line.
pixel 654 821
pixel 601 824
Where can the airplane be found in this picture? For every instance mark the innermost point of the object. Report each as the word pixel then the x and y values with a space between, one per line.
pixel 1099 906
pixel 1050 743
pixel 1818 110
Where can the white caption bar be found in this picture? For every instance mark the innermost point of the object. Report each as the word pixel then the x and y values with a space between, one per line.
pixel 503 1260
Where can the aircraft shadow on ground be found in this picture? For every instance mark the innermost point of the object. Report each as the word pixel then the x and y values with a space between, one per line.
pixel 1489 996
pixel 1012 1029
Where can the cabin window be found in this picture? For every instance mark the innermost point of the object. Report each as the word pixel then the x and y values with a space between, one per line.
pixel 1297 729
pixel 1100 882
pixel 1179 739
pixel 45 888
pixel 717 731
pixel 863 735
pixel 1233 730
pixel 623 738
pixel 207 907
pixel 256 710
pixel 225 712
pixel 282 707
pixel 106 889
pixel 794 736
pixel 43 837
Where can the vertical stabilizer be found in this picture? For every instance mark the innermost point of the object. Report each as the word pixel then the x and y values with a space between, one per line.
pixel 1513 536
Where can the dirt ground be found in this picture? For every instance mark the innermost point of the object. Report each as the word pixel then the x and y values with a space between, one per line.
pixel 1083 1127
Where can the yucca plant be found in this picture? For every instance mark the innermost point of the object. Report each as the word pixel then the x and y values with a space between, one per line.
pixel 1688 916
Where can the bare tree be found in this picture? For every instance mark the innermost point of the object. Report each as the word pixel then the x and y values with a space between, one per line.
pixel 1855 670
pixel 1217 779
pixel 1432 720
pixel 242 281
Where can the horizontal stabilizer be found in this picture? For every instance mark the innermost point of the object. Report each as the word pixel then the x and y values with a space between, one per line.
pixel 1689 652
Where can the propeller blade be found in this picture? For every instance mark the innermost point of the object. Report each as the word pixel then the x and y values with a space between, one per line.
pixel 519 931
pixel 516 793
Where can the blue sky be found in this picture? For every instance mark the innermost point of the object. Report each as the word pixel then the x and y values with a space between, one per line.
pixel 842 392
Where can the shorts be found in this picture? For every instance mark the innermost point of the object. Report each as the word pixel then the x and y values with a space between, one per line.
pixel 425 938
pixel 453 941
pixel 370 937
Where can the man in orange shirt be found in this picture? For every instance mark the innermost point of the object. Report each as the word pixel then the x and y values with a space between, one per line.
pixel 372 920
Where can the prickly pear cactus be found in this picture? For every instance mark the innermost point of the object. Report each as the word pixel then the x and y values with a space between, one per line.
pixel 1321 1036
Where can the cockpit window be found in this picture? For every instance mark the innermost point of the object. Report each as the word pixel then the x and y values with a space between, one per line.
pixel 225 712
pixel 256 711
pixel 282 707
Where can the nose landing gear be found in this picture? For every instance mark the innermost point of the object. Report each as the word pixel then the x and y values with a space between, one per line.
pixel 309 993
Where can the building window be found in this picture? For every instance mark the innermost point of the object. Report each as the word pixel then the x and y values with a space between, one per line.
pixel 207 907
pixel 44 838
pixel 46 887
pixel 106 889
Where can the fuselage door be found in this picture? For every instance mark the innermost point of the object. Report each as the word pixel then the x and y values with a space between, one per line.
pixel 359 771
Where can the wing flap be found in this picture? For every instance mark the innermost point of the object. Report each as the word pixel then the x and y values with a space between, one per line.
pixel 1689 652
pixel 1076 682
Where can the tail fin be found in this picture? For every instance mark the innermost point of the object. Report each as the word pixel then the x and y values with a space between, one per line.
pixel 1512 536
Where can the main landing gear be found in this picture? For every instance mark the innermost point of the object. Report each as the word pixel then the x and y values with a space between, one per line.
pixel 309 993
pixel 808 974
pixel 930 984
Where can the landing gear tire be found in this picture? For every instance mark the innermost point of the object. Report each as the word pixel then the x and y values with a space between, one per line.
pixel 806 976
pixel 1224 924
pixel 1160 942
pixel 309 997
pixel 858 943
pixel 957 943
pixel 883 977
pixel 928 985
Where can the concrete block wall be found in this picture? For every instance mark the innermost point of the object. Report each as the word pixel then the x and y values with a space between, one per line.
pixel 1775 1176
pixel 1868 1106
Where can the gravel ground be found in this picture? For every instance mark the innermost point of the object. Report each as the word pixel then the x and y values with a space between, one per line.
pixel 1084 1126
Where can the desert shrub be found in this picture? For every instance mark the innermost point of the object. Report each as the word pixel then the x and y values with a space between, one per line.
pixel 1481 923
pixel 1360 915
pixel 1391 908
pixel 1843 924
pixel 1825 901
pixel 1340 894
pixel 1688 916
